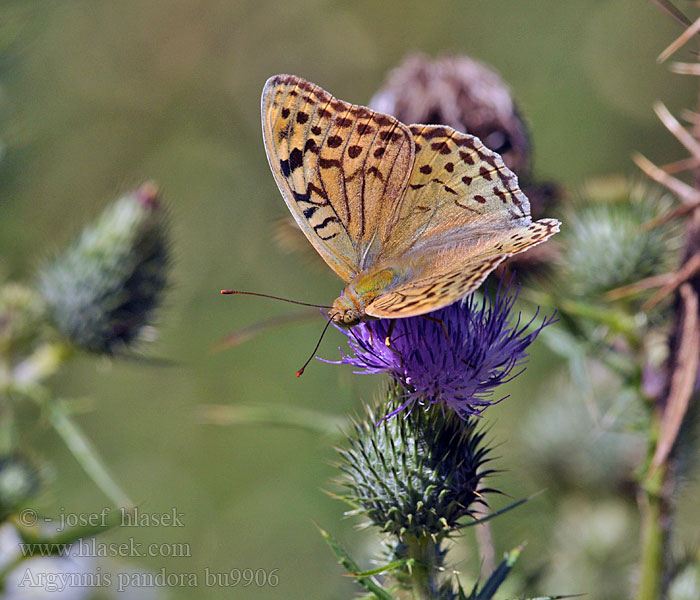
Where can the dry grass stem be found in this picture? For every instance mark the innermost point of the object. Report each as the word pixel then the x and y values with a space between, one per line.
pixel 681 165
pixel 685 193
pixel 690 116
pixel 669 8
pixel 642 285
pixel 679 132
pixel 688 270
pixel 683 377
pixel 681 68
pixel 680 41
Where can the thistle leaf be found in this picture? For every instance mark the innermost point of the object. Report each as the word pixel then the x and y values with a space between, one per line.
pixel 404 562
pixel 501 511
pixel 499 575
pixel 347 561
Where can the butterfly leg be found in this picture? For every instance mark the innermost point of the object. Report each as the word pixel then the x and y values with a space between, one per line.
pixel 371 336
pixel 442 324
pixel 387 340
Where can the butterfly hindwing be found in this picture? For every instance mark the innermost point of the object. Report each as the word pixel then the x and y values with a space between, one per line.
pixel 341 168
pixel 442 279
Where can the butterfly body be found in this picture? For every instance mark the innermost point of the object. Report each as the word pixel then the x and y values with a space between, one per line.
pixel 412 218
pixel 350 307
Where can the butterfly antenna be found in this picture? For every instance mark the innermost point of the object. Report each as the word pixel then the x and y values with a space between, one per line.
pixel 300 372
pixel 231 292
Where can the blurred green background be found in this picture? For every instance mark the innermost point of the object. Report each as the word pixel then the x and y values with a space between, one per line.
pixel 96 97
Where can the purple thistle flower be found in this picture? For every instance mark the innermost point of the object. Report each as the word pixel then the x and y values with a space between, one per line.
pixel 456 357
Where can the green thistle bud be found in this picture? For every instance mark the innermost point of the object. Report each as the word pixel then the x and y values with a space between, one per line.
pixel 19 481
pixel 22 320
pixel 606 244
pixel 414 477
pixel 103 291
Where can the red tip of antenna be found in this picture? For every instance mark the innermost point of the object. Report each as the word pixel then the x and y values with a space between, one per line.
pixel 147 195
pixel 300 372
pixel 227 292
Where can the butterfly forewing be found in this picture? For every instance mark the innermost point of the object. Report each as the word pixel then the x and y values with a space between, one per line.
pixel 458 191
pixel 342 169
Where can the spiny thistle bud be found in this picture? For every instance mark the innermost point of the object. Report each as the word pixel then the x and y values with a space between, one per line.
pixel 22 320
pixel 606 243
pixel 19 481
pixel 416 476
pixel 103 291
pixel 460 92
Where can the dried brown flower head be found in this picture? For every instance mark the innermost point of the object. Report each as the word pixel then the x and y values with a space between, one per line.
pixel 460 92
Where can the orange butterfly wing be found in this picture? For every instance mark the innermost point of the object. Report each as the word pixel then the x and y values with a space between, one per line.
pixel 342 169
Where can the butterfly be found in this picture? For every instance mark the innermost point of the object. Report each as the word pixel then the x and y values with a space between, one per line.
pixel 412 218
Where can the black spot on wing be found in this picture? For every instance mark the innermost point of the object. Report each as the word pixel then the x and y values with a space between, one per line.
pixel 284 167
pixel 449 189
pixel 311 146
pixel 327 221
pixel 306 196
pixel 323 224
pixel 296 159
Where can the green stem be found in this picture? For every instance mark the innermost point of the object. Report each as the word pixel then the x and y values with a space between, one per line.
pixel 273 415
pixel 654 512
pixel 7 429
pixel 86 454
pixel 617 320
pixel 428 559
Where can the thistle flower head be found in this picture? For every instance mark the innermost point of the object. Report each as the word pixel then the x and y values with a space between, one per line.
pixel 606 243
pixel 102 292
pixel 417 476
pixel 456 358
pixel 460 92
